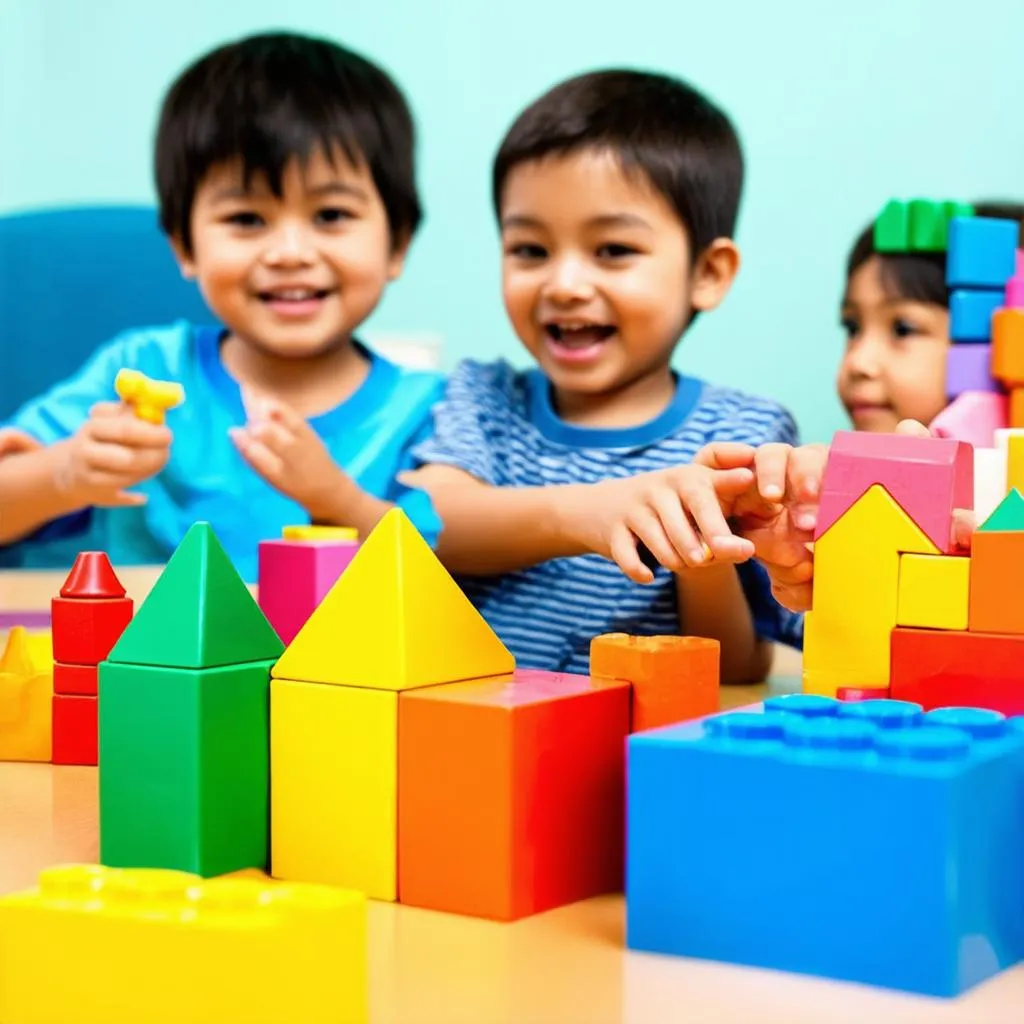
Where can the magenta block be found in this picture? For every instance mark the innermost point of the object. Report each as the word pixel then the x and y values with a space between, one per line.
pixel 969 368
pixel 1015 286
pixel 974 417
pixel 294 577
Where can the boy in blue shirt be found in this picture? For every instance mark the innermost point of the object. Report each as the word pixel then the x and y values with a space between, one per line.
pixel 285 173
pixel 617 195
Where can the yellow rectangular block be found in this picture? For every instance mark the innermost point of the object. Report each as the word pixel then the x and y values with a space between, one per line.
pixel 97 945
pixel 334 789
pixel 856 586
pixel 26 698
pixel 934 591
pixel 1014 462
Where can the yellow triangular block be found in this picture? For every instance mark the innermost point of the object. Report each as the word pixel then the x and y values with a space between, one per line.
pixel 17 656
pixel 394 620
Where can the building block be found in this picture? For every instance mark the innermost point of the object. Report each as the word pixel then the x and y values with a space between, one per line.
pixel 74 729
pixel 93 576
pixel 943 668
pixel 1016 408
pixel 933 591
pixel 972 417
pixel 26 699
pixel 511 793
pixel 311 531
pixel 1008 346
pixel 892 227
pixel 82 680
pixel 970 313
pixel 334 801
pixel 922 799
pixel 295 576
pixel 95 945
pixel 969 368
pixel 396 619
pixel 1014 294
pixel 989 480
pixel 149 399
pixel 85 629
pixel 184 767
pixel 861 693
pixel 1007 516
pixel 857 565
pixel 674 678
pixel 928 476
pixel 981 252
pixel 199 613
pixel 1015 462
pixel 997 566
pixel 919 225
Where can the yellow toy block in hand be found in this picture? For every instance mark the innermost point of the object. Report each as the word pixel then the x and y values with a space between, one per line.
pixel 26 702
pixel 99 945
pixel 149 399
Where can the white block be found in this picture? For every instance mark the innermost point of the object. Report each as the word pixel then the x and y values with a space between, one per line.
pixel 989 481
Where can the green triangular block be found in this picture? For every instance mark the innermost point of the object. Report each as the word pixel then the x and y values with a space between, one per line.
pixel 1008 514
pixel 199 613
pixel 892 227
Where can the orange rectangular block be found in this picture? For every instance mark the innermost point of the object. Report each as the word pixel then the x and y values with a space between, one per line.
pixel 997 567
pixel 1008 346
pixel 511 793
pixel 674 678
pixel 1017 407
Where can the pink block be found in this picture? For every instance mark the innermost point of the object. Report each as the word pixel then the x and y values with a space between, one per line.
pixel 294 577
pixel 974 417
pixel 1015 285
pixel 928 476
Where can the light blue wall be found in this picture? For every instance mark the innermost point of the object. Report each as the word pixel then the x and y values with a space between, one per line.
pixel 840 105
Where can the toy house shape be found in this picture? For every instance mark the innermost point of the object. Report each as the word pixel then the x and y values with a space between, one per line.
pixel 184 722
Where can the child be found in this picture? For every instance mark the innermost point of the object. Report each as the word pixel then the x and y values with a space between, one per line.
pixel 617 194
pixel 895 313
pixel 284 167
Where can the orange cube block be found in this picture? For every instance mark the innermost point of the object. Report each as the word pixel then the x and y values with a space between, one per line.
pixel 997 566
pixel 511 793
pixel 674 678
pixel 1008 346
pixel 1017 407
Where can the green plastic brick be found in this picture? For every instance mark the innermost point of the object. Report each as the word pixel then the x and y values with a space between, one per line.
pixel 199 613
pixel 1007 516
pixel 185 767
pixel 928 226
pixel 892 227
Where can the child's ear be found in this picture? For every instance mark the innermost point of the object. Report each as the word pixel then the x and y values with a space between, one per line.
pixel 399 250
pixel 186 264
pixel 714 273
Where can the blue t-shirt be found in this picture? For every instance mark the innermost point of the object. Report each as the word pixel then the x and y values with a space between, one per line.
pixel 500 426
pixel 369 435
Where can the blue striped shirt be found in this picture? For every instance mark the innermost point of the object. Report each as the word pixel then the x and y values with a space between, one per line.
pixel 499 425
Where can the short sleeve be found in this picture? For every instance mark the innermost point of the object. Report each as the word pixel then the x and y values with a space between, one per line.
pixel 472 421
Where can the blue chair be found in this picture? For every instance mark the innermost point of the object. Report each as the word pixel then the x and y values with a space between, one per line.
pixel 71 279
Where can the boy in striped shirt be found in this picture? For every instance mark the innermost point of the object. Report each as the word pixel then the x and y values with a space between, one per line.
pixel 617 194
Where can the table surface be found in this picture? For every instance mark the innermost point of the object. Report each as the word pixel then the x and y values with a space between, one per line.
pixel 562 967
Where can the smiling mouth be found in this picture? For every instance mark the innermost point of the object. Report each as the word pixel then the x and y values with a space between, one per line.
pixel 294 295
pixel 578 335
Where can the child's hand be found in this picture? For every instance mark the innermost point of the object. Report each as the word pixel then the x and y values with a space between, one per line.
pixel 112 451
pixel 288 453
pixel 674 512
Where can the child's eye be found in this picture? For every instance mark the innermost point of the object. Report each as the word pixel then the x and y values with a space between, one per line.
pixel 245 219
pixel 615 250
pixel 904 328
pixel 333 215
pixel 526 251
pixel 850 327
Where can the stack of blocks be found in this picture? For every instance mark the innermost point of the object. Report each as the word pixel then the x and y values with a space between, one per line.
pixel 26 702
pixel 184 722
pixel 89 615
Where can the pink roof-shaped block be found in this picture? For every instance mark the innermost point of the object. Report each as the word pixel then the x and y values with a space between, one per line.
pixel 928 476
pixel 974 417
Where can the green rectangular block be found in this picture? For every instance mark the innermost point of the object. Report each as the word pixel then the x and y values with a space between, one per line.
pixel 185 767
pixel 892 227
pixel 928 226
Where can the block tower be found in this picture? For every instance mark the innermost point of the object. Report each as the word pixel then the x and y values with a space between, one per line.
pixel 184 727
pixel 88 617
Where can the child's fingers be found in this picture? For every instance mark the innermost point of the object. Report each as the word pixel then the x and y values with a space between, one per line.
pixel 16 442
pixel 275 436
pixel 912 428
pixel 267 463
pixel 672 521
pixel 279 412
pixel 771 464
pixel 623 549
pixel 725 455
pixel 796 597
pixel 126 430
pixel 965 522
pixel 703 504
pixel 647 528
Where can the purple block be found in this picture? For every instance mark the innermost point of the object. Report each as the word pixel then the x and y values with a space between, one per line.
pixel 294 577
pixel 969 368
pixel 30 620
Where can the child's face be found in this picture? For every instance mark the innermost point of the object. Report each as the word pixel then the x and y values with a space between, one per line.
pixel 597 275
pixel 894 367
pixel 291 276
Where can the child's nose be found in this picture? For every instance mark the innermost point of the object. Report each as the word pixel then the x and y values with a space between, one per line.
pixel 290 245
pixel 569 281
pixel 863 358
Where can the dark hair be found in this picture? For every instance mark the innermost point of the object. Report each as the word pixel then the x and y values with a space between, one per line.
pixel 921 276
pixel 275 97
pixel 655 125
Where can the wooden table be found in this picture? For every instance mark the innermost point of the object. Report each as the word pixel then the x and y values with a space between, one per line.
pixel 568 966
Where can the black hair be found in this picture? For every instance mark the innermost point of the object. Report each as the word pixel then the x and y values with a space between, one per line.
pixel 275 97
pixel 658 126
pixel 921 276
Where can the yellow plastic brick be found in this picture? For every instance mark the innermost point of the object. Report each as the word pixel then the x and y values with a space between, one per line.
pixel 934 591
pixel 95 945
pixel 394 620
pixel 310 532
pixel 149 399
pixel 334 794
pixel 26 702
pixel 856 587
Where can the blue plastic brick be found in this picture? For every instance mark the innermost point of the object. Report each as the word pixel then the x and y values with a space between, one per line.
pixel 865 841
pixel 982 252
pixel 970 314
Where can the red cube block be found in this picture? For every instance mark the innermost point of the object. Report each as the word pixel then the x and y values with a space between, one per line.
pixel 75 679
pixel 75 729
pixel 85 629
